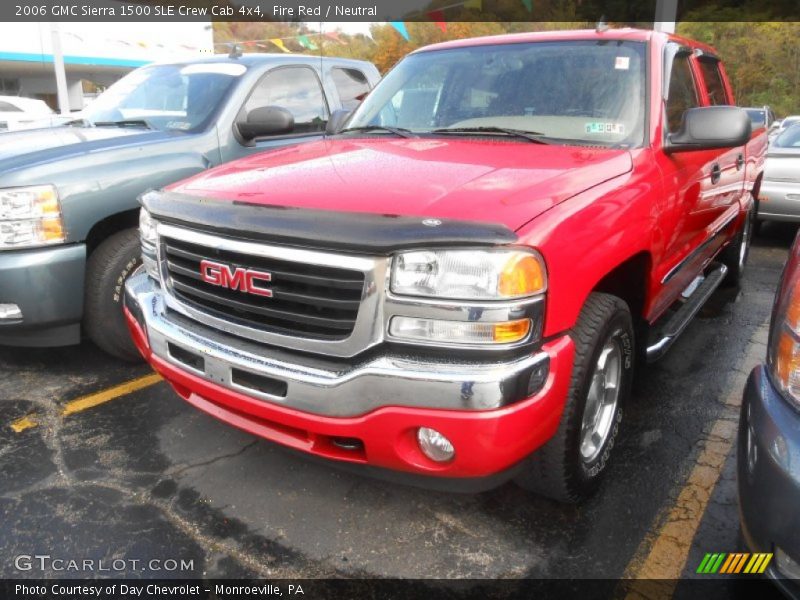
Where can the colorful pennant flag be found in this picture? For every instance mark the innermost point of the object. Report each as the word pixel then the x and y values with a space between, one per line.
pixel 401 28
pixel 306 43
pixel 476 4
pixel 437 16
pixel 528 4
pixel 334 35
pixel 279 43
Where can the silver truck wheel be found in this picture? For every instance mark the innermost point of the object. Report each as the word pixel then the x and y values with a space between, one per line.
pixel 570 466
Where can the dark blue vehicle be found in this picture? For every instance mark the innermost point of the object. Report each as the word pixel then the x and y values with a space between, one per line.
pixel 769 440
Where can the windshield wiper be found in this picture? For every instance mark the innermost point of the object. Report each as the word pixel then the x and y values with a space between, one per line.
pixel 533 136
pixel 124 123
pixel 398 131
pixel 81 122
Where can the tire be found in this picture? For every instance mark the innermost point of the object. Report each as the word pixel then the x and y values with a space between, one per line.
pixel 566 468
pixel 109 266
pixel 734 256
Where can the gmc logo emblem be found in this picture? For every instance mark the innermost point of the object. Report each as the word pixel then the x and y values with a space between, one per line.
pixel 239 278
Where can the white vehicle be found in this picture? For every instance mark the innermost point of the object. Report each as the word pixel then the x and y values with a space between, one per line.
pixel 26 113
pixel 783 125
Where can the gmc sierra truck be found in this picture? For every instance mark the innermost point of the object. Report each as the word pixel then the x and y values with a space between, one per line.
pixel 454 287
pixel 68 195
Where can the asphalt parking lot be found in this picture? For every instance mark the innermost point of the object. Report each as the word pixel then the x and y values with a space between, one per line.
pixel 136 473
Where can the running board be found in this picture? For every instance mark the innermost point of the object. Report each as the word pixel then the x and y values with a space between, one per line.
pixel 678 321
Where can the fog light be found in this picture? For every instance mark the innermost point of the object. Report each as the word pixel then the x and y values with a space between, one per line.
pixel 786 565
pixel 434 445
pixel 10 312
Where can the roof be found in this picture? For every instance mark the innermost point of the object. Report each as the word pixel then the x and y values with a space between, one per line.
pixel 255 59
pixel 626 34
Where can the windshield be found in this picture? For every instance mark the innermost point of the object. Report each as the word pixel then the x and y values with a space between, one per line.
pixel 166 97
pixel 579 91
pixel 790 138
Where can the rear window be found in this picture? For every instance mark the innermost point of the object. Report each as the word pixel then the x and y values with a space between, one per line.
pixel 757 117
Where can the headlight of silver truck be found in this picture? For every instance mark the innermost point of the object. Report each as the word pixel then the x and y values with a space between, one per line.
pixel 149 239
pixel 30 216
pixel 480 279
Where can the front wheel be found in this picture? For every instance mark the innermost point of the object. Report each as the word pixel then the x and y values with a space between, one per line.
pixel 569 467
pixel 108 268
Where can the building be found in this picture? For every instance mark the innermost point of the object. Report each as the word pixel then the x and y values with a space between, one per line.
pixel 95 54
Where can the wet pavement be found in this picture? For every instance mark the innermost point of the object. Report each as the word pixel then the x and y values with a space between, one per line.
pixel 145 476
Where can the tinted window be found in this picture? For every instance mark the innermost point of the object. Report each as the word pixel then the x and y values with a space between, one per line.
pixel 297 89
pixel 682 92
pixel 351 85
pixel 757 117
pixel 714 84
pixel 6 107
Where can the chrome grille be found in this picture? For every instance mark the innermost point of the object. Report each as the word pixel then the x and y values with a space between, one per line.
pixel 308 300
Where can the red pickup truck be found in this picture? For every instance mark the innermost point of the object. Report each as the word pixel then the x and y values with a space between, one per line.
pixel 454 286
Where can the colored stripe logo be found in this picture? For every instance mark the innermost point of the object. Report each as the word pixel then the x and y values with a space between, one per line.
pixel 734 563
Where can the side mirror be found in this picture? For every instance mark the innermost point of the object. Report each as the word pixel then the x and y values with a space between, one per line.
pixel 267 120
pixel 710 127
pixel 336 121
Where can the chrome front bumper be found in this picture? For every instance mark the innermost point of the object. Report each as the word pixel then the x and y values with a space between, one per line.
pixel 330 386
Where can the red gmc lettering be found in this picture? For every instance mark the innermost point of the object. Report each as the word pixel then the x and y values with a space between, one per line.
pixel 239 278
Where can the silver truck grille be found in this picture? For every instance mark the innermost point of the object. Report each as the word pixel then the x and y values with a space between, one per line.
pixel 296 298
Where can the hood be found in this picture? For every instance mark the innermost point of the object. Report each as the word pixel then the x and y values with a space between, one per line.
pixel 25 148
pixel 491 180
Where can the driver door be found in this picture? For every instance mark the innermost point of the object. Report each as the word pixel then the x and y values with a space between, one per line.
pixel 296 88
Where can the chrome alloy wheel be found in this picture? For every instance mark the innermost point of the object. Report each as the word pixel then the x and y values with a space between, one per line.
pixel 600 410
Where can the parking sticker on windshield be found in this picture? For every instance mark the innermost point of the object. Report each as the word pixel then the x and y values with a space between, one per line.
pixel 599 127
pixel 623 63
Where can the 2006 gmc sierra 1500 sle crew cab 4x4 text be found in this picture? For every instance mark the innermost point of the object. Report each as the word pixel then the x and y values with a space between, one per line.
pixel 453 288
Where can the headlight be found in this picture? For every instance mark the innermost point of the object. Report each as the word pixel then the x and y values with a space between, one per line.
pixel 149 238
pixel 469 274
pixel 784 347
pixel 30 216
pixel 147 228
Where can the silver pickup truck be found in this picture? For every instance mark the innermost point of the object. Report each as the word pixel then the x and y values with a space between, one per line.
pixel 68 195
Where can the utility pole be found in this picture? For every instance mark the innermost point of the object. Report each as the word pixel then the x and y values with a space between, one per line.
pixel 666 15
pixel 58 65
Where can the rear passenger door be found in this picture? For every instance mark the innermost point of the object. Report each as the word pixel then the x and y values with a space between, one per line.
pixel 298 89
pixel 730 162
